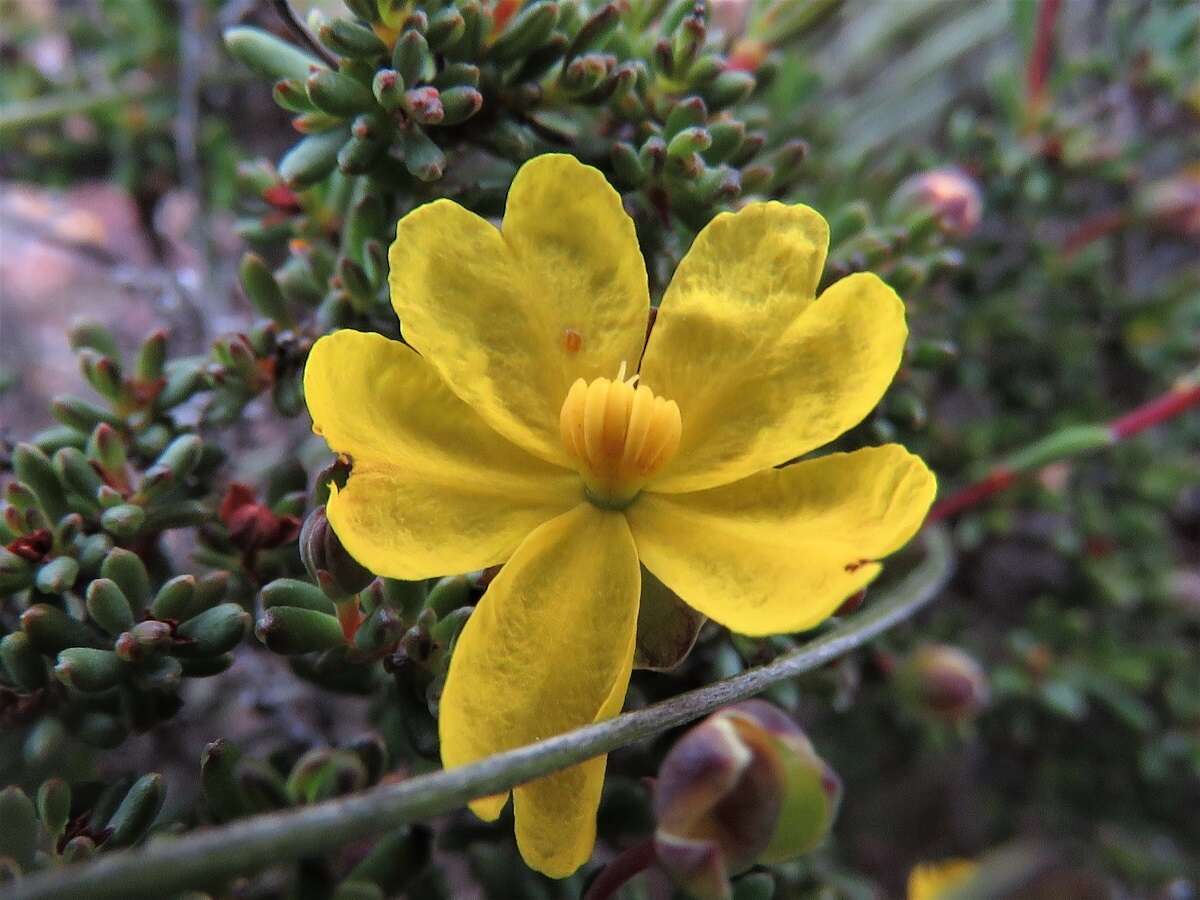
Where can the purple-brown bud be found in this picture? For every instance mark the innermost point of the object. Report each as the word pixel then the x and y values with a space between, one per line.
pixel 334 570
pixel 744 786
pixel 948 194
pixel 945 683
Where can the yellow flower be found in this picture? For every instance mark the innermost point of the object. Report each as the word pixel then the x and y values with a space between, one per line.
pixel 510 430
pixel 929 881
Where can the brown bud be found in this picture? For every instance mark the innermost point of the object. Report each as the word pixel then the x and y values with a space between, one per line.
pixel 945 683
pixel 948 194
pixel 744 786
pixel 329 564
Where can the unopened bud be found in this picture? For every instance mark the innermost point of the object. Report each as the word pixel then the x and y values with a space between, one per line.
pixel 1173 204
pixel 744 786
pixel 948 194
pixel 945 683
pixel 329 564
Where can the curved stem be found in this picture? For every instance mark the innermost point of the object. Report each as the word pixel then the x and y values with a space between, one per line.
pixel 169 866
pixel 630 862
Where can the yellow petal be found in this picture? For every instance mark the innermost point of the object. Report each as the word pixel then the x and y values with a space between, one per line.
pixel 433 489
pixel 781 550
pixel 549 648
pixel 929 881
pixel 511 318
pixel 763 373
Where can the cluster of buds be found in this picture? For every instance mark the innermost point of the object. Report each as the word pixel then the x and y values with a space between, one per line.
pixel 745 786
pixel 944 683
pixel 236 785
pixel 57 829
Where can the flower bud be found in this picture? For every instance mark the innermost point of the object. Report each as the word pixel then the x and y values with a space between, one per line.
pixel 1173 204
pixel 948 195
pixel 253 525
pixel 329 564
pixel 742 787
pixel 945 683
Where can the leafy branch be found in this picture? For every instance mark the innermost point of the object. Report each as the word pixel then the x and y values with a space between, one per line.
pixel 203 857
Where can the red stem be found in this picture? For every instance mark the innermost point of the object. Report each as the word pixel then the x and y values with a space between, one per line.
pixel 1160 409
pixel 626 865
pixel 1039 58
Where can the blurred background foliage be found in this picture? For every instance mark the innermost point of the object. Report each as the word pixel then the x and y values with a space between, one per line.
pixel 194 191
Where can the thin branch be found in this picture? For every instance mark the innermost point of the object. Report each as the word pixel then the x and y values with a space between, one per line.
pixel 1069 442
pixel 202 857
pixel 285 11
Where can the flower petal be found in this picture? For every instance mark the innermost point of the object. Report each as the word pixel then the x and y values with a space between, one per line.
pixel 433 490
pixel 511 318
pixel 781 550
pixel 549 648
pixel 763 373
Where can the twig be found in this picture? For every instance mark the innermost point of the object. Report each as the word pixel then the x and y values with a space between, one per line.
pixel 202 857
pixel 1040 56
pixel 1072 442
pixel 285 11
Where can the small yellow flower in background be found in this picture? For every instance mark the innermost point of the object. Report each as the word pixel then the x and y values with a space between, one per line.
pixel 930 881
pixel 522 424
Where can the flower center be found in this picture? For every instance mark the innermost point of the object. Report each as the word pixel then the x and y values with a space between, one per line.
pixel 619 434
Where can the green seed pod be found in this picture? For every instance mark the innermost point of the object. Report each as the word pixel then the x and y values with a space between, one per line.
pixel 456 75
pixel 108 607
pixel 348 38
pixel 57 575
pixel 388 88
pixel 627 165
pixel 411 58
pixel 527 31
pixel 459 104
pixel 123 522
pixel 267 54
pixel 93 335
pixel 102 373
pixel 87 669
pixel 422 157
pixel 16 573
pixel 313 158
pixel 322 774
pixel 475 31
pixel 76 472
pixel 143 639
pixel 18 828
pixel 292 94
pixel 80 414
pixel 54 805
pixel 729 88
pixel 137 811
pixel 22 662
pixel 358 156
pixel 291 592
pixel 446 28
pixel 129 572
pixel 262 290
pixel 214 631
pixel 688 142
pixel 687 113
pixel 291 630
pixel 727 137
pixel 338 95
pixel 32 467
pixel 222 793
pixel 593 34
